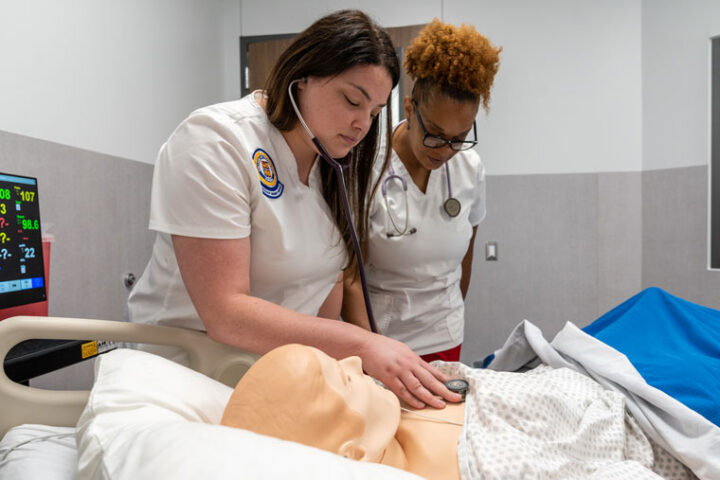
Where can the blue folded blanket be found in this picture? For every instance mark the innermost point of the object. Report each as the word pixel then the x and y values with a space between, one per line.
pixel 674 344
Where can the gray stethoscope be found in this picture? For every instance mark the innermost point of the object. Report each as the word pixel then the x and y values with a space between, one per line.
pixel 337 166
pixel 451 206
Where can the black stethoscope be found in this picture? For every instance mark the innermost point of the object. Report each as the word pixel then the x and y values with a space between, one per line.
pixel 338 168
pixel 451 205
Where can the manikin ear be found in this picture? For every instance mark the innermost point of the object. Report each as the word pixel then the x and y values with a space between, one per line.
pixel 353 450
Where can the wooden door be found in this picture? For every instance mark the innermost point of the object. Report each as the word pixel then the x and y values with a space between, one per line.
pixel 258 55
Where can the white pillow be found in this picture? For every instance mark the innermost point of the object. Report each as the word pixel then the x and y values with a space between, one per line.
pixel 150 418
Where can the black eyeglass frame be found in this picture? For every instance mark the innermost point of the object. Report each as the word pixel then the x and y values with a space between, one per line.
pixel 463 144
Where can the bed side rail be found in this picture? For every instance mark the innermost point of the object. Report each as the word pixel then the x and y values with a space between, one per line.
pixel 22 404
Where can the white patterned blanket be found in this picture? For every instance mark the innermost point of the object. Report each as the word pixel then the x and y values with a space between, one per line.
pixel 552 424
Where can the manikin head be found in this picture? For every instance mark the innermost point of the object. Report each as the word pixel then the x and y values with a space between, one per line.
pixel 299 393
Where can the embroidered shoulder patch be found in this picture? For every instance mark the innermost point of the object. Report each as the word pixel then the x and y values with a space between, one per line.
pixel 272 187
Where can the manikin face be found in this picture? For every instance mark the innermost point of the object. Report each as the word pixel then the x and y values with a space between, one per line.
pixel 441 116
pixel 376 405
pixel 299 393
pixel 340 109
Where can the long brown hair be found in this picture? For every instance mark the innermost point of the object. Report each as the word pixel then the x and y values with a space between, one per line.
pixel 333 44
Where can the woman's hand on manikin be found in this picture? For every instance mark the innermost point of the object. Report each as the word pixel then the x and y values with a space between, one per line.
pixel 408 376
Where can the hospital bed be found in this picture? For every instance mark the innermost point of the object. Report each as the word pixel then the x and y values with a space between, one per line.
pixel 150 418
pixel 185 404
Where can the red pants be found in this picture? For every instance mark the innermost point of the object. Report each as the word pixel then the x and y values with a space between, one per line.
pixel 451 355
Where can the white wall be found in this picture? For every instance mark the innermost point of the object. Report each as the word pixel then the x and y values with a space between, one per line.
pixel 231 32
pixel 567 97
pixel 117 77
pixel 114 77
pixel 676 72
pixel 260 17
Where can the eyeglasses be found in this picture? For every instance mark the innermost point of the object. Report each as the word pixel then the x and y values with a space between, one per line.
pixel 436 141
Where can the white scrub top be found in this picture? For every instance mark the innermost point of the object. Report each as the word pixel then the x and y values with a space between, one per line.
pixel 414 280
pixel 226 172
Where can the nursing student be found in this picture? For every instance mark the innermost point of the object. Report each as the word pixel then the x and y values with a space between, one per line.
pixel 430 196
pixel 251 237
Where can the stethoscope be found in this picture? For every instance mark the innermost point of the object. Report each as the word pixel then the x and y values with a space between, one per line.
pixel 338 168
pixel 451 205
pixel 456 385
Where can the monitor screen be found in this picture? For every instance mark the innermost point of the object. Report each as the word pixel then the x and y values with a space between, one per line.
pixel 22 278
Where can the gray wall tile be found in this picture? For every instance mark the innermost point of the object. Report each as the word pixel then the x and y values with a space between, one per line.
pixel 619 231
pixel 546 227
pixel 97 206
pixel 675 232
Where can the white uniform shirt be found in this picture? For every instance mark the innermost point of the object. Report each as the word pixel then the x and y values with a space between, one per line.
pixel 227 172
pixel 414 279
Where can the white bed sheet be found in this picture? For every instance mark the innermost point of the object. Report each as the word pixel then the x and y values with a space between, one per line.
pixel 38 451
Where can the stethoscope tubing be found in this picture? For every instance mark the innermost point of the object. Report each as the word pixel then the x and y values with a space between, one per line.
pixel 394 176
pixel 338 169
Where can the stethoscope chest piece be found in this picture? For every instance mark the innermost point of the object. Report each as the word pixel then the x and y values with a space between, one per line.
pixel 457 385
pixel 452 206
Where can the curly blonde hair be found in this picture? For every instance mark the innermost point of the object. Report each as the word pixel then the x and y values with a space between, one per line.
pixel 456 61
